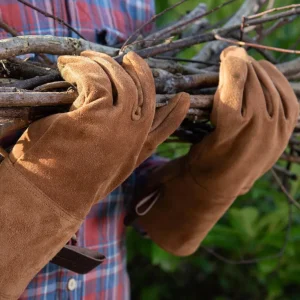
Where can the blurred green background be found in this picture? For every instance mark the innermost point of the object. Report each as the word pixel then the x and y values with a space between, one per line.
pixel 261 225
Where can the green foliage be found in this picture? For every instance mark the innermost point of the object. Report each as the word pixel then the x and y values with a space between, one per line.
pixel 255 227
pixel 248 231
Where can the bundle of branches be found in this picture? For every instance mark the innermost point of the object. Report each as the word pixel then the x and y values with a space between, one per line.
pixel 30 90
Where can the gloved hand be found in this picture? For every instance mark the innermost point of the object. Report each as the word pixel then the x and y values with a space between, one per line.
pixel 65 163
pixel 254 113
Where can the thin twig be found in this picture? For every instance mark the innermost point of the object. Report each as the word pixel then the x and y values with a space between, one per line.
pixel 240 43
pixel 265 53
pixel 188 60
pixel 284 190
pixel 205 37
pixel 279 23
pixel 31 83
pixel 286 172
pixel 292 6
pixel 291 12
pixel 8 29
pixel 46 14
pixel 212 50
pixel 14 33
pixel 60 46
pixel 25 69
pixel 138 30
pixel 166 32
pixel 293 159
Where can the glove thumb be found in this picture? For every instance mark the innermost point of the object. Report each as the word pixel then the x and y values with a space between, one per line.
pixel 166 120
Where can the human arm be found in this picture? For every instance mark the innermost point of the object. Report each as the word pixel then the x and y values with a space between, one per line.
pixel 65 163
pixel 254 113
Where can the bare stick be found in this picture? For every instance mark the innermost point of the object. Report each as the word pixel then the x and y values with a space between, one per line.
pixel 167 83
pixel 188 60
pixel 285 172
pixel 8 29
pixel 49 44
pixel 292 6
pixel 19 108
pixel 21 98
pixel 61 46
pixel 212 50
pixel 14 33
pixel 206 37
pixel 276 25
pixel 173 29
pixel 265 53
pixel 284 190
pixel 18 68
pixel 171 66
pixel 291 12
pixel 27 98
pixel 46 14
pixel 149 22
pixel 52 85
pixel 197 101
pixel 290 158
pixel 290 68
pixel 240 43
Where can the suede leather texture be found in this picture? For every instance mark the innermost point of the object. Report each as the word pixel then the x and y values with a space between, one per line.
pixel 254 112
pixel 65 163
pixel 33 228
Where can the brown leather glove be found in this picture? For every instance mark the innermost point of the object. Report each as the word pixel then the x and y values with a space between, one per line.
pixel 65 163
pixel 254 112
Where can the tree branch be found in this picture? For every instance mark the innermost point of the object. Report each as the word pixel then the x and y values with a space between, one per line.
pixel 206 37
pixel 137 31
pixel 214 49
pixel 49 44
pixel 11 97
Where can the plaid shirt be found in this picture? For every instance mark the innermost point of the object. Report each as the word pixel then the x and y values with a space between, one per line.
pixel 105 21
pixel 110 21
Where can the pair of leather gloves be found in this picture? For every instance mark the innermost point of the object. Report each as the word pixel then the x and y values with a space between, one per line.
pixel 65 163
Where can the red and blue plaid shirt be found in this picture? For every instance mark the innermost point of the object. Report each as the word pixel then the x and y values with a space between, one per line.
pixel 110 21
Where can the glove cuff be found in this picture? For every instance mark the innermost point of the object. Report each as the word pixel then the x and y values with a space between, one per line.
pixel 33 229
pixel 184 213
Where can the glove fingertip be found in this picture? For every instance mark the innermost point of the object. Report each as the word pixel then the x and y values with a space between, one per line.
pixel 94 54
pixel 234 51
pixel 171 115
pixel 134 61
pixel 132 56
pixel 185 99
